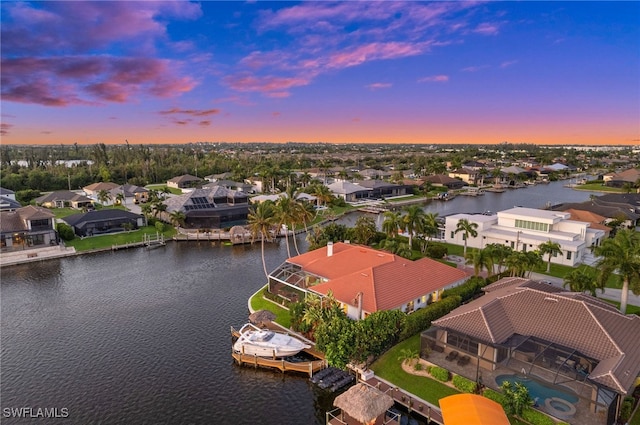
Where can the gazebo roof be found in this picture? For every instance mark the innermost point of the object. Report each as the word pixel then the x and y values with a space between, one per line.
pixel 363 403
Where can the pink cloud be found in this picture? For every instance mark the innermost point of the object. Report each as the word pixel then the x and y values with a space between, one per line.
pixel 434 79
pixel 61 81
pixel 375 51
pixel 96 25
pixel 269 85
pixel 486 29
pixel 275 114
pixel 376 86
pixel 204 123
pixel 192 112
pixel 507 64
pixel 475 68
pixel 4 128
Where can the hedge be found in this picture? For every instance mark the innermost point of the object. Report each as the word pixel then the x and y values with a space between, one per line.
pixel 467 290
pixel 463 384
pixel 494 395
pixel 421 319
pixel 440 374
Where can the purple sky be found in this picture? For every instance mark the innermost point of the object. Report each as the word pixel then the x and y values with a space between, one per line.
pixel 356 71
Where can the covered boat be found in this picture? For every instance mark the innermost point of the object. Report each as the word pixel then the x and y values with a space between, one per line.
pixel 266 343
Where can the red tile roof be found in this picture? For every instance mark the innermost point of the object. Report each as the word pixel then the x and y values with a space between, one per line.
pixel 387 281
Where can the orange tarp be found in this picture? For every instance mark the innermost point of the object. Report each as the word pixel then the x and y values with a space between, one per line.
pixel 471 409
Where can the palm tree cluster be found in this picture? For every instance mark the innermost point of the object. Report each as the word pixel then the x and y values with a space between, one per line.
pixel 267 219
pixel 416 222
pixel 496 258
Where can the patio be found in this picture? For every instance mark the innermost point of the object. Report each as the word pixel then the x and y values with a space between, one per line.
pixel 487 378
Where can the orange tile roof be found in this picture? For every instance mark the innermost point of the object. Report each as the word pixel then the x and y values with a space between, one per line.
pixel 387 281
pixel 594 219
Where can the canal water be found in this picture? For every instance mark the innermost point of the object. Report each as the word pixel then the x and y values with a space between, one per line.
pixel 143 336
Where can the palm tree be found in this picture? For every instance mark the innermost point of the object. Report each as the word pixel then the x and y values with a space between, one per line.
pixel 582 280
pixel 621 255
pixel 498 253
pixel 430 225
pixel 533 260
pixel 177 218
pixel 285 215
pixel 260 221
pixel 392 222
pixel 550 248
pixel 323 194
pixel 468 229
pixel 480 259
pixel 414 221
pixel 104 196
pixel 120 199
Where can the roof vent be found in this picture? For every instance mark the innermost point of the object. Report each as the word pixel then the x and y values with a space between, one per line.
pixel 364 274
pixel 555 300
pixel 329 249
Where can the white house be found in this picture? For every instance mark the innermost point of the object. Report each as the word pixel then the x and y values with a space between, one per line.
pixel 524 229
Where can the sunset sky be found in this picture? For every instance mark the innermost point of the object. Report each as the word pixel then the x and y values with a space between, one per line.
pixel 542 72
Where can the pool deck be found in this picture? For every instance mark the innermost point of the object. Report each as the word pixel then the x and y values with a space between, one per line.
pixel 583 415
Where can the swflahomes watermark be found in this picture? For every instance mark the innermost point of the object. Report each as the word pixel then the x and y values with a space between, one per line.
pixel 35 412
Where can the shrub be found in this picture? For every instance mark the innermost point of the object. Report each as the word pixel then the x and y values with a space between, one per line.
pixel 467 290
pixel 418 366
pixel 494 395
pixel 422 318
pixel 65 231
pixel 440 373
pixel 626 409
pixel 535 417
pixel 436 250
pixel 428 369
pixel 159 226
pixel 464 384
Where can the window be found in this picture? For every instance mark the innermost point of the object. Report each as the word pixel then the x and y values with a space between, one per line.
pixel 513 244
pixel 452 235
pixel 532 225
pixel 568 255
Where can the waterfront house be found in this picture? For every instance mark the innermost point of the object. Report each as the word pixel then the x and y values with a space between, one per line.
pixel 379 189
pixel 524 229
pixel 212 208
pixel 348 191
pixel 629 176
pixel 571 341
pixel 64 199
pixel 441 180
pixel 184 181
pixel 93 191
pixel 614 206
pixel 103 221
pixel 364 280
pixel 466 175
pixel 132 193
pixel 27 227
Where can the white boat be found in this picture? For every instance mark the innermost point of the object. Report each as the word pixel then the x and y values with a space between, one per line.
pixel 266 343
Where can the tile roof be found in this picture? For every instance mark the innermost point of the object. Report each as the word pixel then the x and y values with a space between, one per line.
pixel 34 213
pixel 78 220
pixel 62 195
pixel 10 221
pixel 386 280
pixel 584 323
pixel 184 178
pixel 95 187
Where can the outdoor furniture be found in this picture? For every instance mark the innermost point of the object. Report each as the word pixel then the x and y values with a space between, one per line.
pixel 451 356
pixel 464 360
pixel 438 348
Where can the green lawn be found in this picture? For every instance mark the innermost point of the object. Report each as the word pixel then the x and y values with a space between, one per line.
pixel 162 186
pixel 635 420
pixel 389 367
pixel 598 187
pixel 106 241
pixel 64 212
pixel 259 303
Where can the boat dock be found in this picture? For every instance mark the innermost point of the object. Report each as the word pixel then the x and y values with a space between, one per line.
pixel 413 404
pixel 148 241
pixel 309 367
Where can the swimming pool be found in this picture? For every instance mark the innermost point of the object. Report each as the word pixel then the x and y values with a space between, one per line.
pixel 538 389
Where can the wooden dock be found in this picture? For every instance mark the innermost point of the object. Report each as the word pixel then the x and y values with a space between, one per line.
pixel 413 404
pixel 309 367
pixel 148 241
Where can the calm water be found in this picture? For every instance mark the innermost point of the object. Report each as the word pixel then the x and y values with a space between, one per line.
pixel 143 336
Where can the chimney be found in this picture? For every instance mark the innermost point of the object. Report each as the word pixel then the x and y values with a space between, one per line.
pixel 329 249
